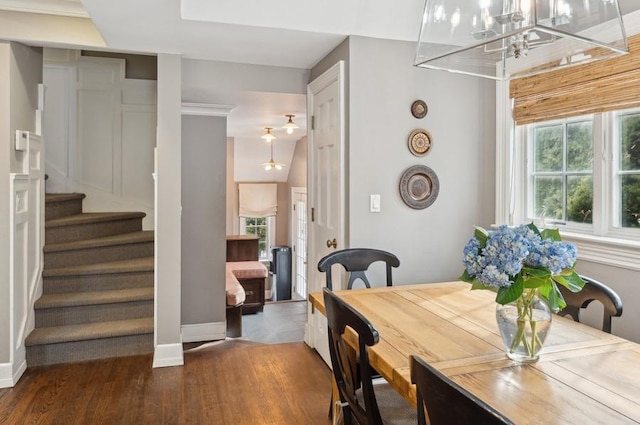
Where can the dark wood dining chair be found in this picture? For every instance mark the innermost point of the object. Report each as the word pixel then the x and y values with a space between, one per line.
pixel 363 399
pixel 592 291
pixel 356 261
pixel 446 402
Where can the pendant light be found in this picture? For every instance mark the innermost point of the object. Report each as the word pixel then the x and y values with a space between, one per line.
pixel 505 39
pixel 290 125
pixel 272 164
pixel 268 136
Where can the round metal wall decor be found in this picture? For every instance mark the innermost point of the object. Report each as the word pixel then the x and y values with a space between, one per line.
pixel 419 142
pixel 419 186
pixel 419 109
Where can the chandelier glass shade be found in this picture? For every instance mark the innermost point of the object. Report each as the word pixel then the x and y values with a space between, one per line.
pixel 290 125
pixel 505 39
pixel 268 136
pixel 271 164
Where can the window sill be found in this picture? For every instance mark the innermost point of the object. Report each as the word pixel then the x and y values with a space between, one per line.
pixel 621 253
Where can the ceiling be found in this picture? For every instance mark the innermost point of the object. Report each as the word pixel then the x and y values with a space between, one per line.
pixel 281 33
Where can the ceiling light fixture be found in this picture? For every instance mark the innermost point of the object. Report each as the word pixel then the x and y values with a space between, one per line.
pixel 268 136
pixel 290 125
pixel 272 164
pixel 505 39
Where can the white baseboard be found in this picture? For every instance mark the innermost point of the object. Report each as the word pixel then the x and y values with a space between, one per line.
pixel 9 374
pixel 168 355
pixel 204 332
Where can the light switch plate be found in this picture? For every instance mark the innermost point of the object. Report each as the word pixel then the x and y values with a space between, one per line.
pixel 374 203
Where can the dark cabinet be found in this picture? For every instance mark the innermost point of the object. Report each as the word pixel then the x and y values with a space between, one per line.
pixel 242 248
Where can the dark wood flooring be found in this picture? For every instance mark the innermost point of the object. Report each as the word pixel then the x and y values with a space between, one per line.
pixel 231 382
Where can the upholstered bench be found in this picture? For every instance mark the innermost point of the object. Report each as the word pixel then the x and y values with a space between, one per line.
pixel 244 285
pixel 252 276
pixel 235 298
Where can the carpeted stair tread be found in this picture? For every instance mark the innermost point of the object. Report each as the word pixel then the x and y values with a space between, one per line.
pixel 143 264
pixel 59 334
pixel 74 299
pixel 63 197
pixel 119 239
pixel 88 218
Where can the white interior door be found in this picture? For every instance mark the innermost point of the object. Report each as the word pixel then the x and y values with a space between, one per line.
pixel 326 187
pixel 299 224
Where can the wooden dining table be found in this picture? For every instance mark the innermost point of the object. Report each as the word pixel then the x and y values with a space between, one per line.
pixel 583 376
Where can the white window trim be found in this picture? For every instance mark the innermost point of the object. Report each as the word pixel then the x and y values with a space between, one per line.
pixel 510 204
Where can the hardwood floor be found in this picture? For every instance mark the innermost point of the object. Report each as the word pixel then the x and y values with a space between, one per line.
pixel 225 382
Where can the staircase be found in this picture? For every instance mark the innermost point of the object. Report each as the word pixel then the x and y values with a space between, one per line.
pixel 97 299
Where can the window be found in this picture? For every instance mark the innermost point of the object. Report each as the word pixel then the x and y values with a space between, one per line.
pixel 561 171
pixel 628 169
pixel 264 228
pixel 566 186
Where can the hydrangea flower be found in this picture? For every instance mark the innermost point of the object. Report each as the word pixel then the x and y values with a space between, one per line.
pixel 500 258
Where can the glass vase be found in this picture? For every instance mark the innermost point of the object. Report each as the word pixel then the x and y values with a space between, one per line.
pixel 524 324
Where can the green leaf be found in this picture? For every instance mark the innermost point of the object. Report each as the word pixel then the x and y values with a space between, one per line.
pixel 572 281
pixel 553 234
pixel 481 235
pixel 536 282
pixel 554 297
pixel 539 272
pixel 510 293
pixel 466 277
pixel 534 228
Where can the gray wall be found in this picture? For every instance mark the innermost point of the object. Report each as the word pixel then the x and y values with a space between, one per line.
pixel 625 283
pixel 461 119
pixel 20 74
pixel 204 147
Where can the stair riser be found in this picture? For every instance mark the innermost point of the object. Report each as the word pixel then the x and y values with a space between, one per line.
pixel 93 313
pixel 105 254
pixel 76 351
pixel 91 230
pixel 62 208
pixel 104 282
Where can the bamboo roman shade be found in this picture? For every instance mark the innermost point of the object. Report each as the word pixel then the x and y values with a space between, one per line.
pixel 257 200
pixel 600 86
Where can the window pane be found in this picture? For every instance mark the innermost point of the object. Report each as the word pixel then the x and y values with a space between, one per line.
pixel 580 199
pixel 547 147
pixel 630 142
pixel 580 146
pixel 630 200
pixel 548 197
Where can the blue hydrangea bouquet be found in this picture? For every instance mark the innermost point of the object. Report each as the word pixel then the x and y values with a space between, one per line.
pixel 510 259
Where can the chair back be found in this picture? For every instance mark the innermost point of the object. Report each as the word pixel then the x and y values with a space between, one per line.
pixel 446 402
pixel 592 290
pixel 357 261
pixel 351 373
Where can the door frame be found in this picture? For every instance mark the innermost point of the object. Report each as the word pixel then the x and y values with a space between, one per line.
pixel 294 237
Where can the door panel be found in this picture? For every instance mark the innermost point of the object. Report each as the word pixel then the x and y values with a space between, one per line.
pixel 326 188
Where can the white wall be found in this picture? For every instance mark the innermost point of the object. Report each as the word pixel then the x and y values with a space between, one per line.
pixel 461 121
pixel 20 74
pixel 168 250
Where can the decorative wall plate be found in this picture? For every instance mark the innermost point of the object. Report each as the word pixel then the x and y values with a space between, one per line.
pixel 419 142
pixel 419 109
pixel 419 186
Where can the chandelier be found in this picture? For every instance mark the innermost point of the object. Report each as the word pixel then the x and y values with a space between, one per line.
pixel 505 39
pixel 290 125
pixel 268 136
